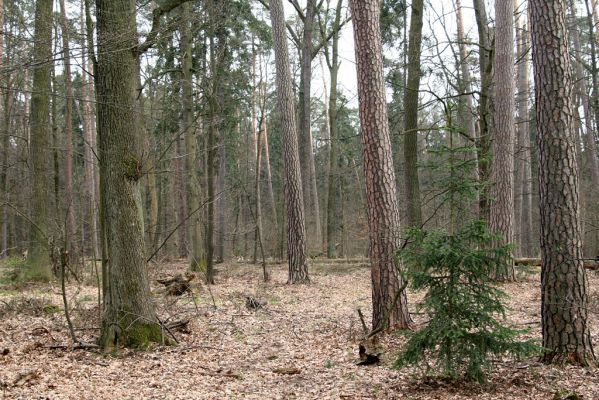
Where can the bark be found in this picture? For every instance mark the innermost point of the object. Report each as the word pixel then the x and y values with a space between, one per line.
pixel 218 56
pixel 467 117
pixel 484 126
pixel 39 123
pixel 525 209
pixel 333 187
pixel 309 185
pixel 502 171
pixel 414 208
pixel 68 130
pixel 258 237
pixel 296 229
pixel 198 259
pixel 5 101
pixel 589 140
pixel 221 202
pixel 129 316
pixel 89 149
pixel 566 334
pixel 383 210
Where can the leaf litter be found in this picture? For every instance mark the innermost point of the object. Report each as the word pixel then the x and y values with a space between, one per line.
pixel 286 342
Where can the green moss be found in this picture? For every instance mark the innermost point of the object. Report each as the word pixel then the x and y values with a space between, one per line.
pixel 51 309
pixel 198 265
pixel 132 167
pixel 141 335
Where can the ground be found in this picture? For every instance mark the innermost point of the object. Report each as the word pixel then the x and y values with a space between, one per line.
pixel 302 345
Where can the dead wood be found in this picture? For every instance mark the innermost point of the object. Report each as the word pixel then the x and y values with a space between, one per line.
pixel 254 304
pixel 177 285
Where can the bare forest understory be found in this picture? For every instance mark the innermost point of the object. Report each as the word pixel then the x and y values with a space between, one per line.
pixel 301 344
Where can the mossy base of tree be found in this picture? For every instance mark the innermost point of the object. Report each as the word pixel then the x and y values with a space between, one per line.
pixel 135 336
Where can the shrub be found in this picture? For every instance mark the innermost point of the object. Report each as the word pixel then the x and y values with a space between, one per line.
pixel 463 306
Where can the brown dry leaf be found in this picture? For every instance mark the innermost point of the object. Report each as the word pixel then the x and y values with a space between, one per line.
pixel 310 331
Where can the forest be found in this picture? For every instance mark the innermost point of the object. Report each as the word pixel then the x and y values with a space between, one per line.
pixel 299 199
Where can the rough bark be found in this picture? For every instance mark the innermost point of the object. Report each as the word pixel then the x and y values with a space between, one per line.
pixel 309 185
pixel 5 101
pixel 466 111
pixel 333 183
pixel 527 240
pixel 197 250
pixel 39 123
pixel 89 149
pixel 484 125
pixel 502 171
pixel 589 140
pixel 129 317
pixel 566 334
pixel 383 210
pixel 296 229
pixel 414 208
pixel 68 130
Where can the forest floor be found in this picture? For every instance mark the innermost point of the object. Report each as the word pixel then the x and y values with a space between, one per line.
pixel 302 345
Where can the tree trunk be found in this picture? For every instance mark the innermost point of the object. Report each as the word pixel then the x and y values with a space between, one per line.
pixel 566 334
pixel 40 135
pixel 221 202
pixel 383 210
pixel 527 241
pixel 502 171
pixel 484 130
pixel 197 250
pixel 414 208
pixel 5 96
pixel 129 317
pixel 68 129
pixel 309 185
pixel 333 182
pixel 89 149
pixel 296 228
pixel 589 140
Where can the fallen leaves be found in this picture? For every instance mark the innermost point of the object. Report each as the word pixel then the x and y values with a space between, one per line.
pixel 301 343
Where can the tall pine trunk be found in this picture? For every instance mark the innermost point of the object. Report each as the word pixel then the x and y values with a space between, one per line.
pixel 502 171
pixel 296 226
pixel 566 334
pixel 383 209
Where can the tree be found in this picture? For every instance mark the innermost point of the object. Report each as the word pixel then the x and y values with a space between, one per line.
pixel 566 334
pixel 525 210
pixel 502 191
pixel 305 137
pixel 486 74
pixel 40 133
pixel 296 229
pixel 411 116
pixel 68 129
pixel 129 317
pixel 383 210
pixel 197 246
pixel 332 60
